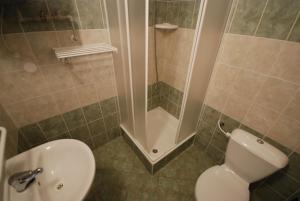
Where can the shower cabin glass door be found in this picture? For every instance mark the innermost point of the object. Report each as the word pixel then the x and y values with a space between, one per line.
pixel 171 30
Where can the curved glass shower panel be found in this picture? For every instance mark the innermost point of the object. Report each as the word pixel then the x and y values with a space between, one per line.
pixel 171 33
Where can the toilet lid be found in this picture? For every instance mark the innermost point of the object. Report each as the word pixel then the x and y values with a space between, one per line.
pixel 219 183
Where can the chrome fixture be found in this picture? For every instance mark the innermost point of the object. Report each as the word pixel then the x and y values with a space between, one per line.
pixel 21 180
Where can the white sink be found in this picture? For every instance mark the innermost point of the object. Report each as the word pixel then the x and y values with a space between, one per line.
pixel 68 172
pixel 2 158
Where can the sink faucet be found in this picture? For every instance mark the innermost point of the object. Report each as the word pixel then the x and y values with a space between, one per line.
pixel 21 180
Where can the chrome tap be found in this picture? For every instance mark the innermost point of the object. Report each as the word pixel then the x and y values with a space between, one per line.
pixel 21 180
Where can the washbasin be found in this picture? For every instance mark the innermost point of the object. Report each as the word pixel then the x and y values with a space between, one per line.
pixel 68 172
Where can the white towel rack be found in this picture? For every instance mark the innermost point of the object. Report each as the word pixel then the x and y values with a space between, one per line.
pixel 82 50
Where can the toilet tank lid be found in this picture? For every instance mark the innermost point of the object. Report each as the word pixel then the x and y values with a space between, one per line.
pixel 263 150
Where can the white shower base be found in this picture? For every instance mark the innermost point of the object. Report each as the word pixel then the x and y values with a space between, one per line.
pixel 161 132
pixel 161 135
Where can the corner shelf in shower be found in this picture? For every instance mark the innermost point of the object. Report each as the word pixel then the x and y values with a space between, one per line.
pixel 83 50
pixel 166 26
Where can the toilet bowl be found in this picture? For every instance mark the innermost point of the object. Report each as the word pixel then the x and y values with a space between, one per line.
pixel 247 159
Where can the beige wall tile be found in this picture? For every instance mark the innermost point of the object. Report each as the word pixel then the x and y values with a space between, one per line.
pixel 286 131
pixel 67 100
pixel 224 76
pixel 41 108
pixel 276 94
pixel 236 107
pixel 88 36
pixel 58 76
pixel 71 85
pixel 42 44
pixel 260 118
pixel 293 109
pixel 81 73
pixel 216 98
pixel 9 93
pixel 87 94
pixel 235 49
pixel 66 38
pixel 19 47
pixel 262 54
pixel 287 66
pixel 173 55
pixel 19 114
pixel 31 84
pixel 247 84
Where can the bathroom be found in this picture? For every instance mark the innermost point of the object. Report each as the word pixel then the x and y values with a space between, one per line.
pixel 158 91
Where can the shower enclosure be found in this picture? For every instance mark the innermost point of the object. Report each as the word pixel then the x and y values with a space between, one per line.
pixel 166 51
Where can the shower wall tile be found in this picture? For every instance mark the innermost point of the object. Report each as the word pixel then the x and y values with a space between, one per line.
pixel 86 124
pixel 151 12
pixel 278 18
pixel 173 12
pixel 165 96
pixel 173 53
pixel 161 8
pixel 178 12
pixel 186 14
pixel 247 16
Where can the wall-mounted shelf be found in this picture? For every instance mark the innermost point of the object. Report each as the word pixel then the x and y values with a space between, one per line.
pixel 166 26
pixel 83 50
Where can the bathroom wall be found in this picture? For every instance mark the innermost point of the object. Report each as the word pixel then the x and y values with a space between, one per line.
pixel 173 47
pixel 12 134
pixel 255 85
pixel 46 98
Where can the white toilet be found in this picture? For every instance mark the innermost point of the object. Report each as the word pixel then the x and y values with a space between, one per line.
pixel 248 159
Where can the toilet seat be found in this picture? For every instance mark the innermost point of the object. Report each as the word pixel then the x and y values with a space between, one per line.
pixel 219 183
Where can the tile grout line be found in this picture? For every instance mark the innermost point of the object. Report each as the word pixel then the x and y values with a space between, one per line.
pixel 260 19
pixel 258 73
pixel 293 26
pixel 78 14
pixel 52 23
pixel 233 15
